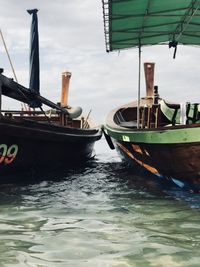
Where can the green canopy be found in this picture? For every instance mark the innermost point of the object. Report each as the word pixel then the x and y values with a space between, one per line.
pixel 131 23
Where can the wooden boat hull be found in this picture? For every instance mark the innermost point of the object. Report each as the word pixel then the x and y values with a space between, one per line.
pixel 168 161
pixel 169 152
pixel 25 145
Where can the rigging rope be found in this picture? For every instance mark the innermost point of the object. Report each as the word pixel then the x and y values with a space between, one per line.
pixel 10 61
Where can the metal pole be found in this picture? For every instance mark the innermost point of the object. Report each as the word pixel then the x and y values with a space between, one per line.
pixel 139 80
pixel 0 96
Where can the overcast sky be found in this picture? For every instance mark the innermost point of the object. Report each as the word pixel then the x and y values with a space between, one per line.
pixel 72 38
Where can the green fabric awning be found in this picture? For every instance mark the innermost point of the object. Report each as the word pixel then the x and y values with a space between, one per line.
pixel 131 23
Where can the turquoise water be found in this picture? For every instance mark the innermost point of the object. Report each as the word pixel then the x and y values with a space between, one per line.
pixel 98 216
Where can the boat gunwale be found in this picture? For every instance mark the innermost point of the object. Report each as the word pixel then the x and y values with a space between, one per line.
pixel 160 135
pixel 12 129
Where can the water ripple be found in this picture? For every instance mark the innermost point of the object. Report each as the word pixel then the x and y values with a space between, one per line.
pixel 98 215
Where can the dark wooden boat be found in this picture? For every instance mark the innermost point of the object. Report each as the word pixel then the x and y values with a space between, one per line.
pixel 59 136
pixel 158 137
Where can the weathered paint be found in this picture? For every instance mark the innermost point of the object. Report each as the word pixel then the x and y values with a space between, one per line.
pixel 171 161
pixel 141 163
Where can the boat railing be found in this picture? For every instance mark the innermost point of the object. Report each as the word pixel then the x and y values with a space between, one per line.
pixel 56 117
pixel 21 112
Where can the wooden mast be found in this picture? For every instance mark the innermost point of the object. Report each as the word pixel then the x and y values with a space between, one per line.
pixel 65 88
pixel 149 78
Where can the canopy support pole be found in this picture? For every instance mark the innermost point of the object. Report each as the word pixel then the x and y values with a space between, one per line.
pixel 0 97
pixel 139 85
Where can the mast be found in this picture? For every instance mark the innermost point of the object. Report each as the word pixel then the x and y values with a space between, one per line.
pixel 149 78
pixel 34 65
pixel 65 88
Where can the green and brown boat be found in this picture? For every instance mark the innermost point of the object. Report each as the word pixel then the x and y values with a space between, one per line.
pixel 161 138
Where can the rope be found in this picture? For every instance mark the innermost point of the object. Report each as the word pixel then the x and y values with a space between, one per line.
pixel 48 119
pixel 4 43
pixel 10 61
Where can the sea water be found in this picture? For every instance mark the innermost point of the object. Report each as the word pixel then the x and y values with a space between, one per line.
pixel 99 215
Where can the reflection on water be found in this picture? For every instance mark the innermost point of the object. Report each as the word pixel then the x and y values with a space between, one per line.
pixel 99 215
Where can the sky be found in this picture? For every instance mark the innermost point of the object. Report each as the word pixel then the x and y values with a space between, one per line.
pixel 71 35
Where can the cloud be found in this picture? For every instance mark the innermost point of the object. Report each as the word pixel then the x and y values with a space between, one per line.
pixel 72 38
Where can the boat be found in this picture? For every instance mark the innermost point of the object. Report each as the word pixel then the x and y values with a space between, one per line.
pixel 152 134
pixel 33 138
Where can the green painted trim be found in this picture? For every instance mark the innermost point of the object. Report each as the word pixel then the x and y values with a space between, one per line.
pixel 169 112
pixel 168 136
